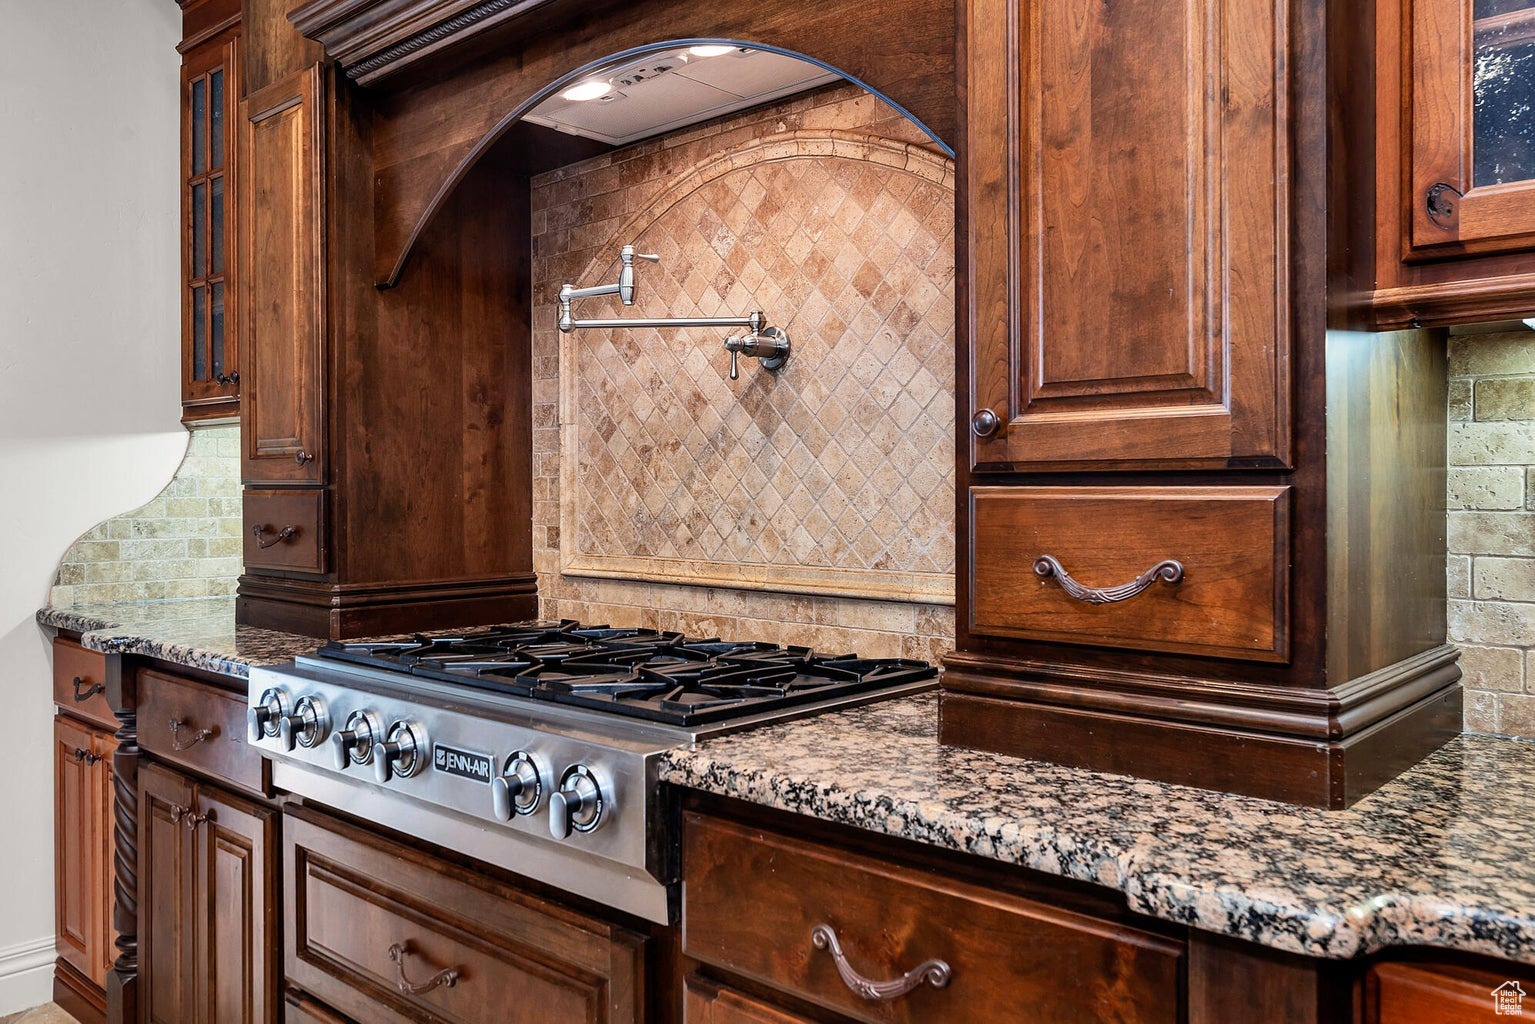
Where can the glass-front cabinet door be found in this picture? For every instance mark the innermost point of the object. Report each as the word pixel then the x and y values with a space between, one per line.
pixel 1471 84
pixel 210 376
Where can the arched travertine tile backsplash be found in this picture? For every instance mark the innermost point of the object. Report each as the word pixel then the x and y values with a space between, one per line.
pixel 815 505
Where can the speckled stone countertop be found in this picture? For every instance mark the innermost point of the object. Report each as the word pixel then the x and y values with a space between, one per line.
pixel 198 633
pixel 1439 857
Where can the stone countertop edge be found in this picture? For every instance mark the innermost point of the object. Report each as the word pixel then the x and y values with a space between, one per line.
pixel 197 633
pixel 1434 858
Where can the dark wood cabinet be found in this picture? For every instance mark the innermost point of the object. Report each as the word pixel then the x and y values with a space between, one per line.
pixel 821 916
pixel 1428 993
pixel 208 926
pixel 1126 234
pixel 282 253
pixel 1471 83
pixel 705 1002
pixel 390 935
pixel 84 743
pixel 1171 468
pixel 387 469
pixel 1454 95
pixel 210 93
pixel 82 836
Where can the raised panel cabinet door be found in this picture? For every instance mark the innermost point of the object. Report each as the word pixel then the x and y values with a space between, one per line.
pixel 166 897
pixel 1470 85
pixel 282 250
pixel 1127 233
pixel 235 980
pixel 78 913
pixel 210 375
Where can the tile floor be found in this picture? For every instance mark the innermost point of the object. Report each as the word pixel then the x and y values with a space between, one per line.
pixel 47 1014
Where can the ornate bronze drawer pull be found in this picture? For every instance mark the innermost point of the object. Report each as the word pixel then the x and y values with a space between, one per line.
pixel 442 979
pixel 260 530
pixel 84 692
pixel 1169 572
pixel 85 757
pixel 177 743
pixel 934 972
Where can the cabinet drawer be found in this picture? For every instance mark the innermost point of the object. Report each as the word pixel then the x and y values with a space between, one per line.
pixel 707 1003
pixel 1413 994
pixel 283 530
pixel 203 728
pixel 375 928
pixel 1004 952
pixel 79 683
pixel 1233 544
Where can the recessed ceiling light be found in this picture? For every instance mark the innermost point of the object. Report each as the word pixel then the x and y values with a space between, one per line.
pixel 593 89
pixel 710 50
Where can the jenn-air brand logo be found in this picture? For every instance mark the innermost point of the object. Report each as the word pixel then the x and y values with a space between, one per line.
pixel 463 763
pixel 1508 1000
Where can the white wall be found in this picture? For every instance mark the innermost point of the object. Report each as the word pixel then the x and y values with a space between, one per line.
pixel 89 364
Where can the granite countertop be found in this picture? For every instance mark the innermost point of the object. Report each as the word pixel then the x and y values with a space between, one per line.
pixel 1438 857
pixel 198 633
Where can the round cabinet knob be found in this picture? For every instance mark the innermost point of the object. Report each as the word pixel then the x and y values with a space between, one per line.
pixel 402 753
pixel 354 744
pixel 261 720
pixel 518 788
pixel 303 458
pixel 577 804
pixel 306 727
pixel 985 423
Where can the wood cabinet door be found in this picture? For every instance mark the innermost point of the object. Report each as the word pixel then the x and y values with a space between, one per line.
pixel 210 375
pixel 1470 86
pixel 80 903
pixel 282 262
pixel 207 904
pixel 235 895
pixel 1127 233
pixel 165 897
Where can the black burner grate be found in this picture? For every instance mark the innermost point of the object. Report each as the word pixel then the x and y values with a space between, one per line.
pixel 642 673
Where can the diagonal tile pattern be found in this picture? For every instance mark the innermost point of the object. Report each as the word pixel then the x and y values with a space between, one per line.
pixel 844 459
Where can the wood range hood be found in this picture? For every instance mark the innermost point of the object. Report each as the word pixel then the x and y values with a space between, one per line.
pixel 455 75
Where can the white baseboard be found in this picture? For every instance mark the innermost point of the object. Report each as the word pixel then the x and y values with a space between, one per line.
pixel 26 975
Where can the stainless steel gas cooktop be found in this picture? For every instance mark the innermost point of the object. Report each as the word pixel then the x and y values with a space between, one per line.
pixel 533 746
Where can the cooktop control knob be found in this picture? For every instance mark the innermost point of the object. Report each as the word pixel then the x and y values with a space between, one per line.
pixel 577 804
pixel 261 720
pixel 306 727
pixel 403 752
pixel 354 744
pixel 518 789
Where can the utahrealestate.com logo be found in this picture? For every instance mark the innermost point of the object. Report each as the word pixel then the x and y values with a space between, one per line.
pixel 1508 999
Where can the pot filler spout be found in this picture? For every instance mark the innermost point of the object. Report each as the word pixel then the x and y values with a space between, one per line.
pixel 769 344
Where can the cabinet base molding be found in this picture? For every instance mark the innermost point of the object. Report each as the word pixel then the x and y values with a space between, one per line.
pixel 339 611
pixel 77 996
pixel 1320 748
